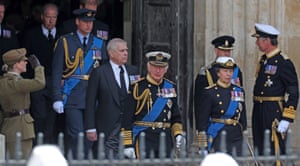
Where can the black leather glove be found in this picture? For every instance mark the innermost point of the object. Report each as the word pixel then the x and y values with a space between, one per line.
pixel 34 61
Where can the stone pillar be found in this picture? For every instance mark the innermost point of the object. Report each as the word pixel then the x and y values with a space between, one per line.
pixel 2 147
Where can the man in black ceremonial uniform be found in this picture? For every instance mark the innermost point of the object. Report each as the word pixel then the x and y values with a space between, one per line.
pixel 156 110
pixel 207 76
pixel 275 91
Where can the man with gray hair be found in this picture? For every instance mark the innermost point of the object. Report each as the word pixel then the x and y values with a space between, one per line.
pixel 108 91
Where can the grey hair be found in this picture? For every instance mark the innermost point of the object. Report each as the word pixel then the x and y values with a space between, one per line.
pixel 49 6
pixel 112 44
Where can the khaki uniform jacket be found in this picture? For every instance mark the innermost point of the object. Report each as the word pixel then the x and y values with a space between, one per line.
pixel 15 95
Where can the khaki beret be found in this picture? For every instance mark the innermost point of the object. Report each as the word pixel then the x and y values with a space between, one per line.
pixel 158 58
pixel 13 56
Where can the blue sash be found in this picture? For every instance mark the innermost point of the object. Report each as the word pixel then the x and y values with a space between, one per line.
pixel 154 112
pixel 235 74
pixel 70 83
pixel 214 127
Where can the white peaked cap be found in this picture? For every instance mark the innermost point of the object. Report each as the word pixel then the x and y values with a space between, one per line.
pixel 218 159
pixel 268 29
pixel 46 155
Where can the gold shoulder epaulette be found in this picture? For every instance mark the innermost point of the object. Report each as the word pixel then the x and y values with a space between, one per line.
pixel 285 57
pixel 211 86
pixel 170 81
pixel 140 79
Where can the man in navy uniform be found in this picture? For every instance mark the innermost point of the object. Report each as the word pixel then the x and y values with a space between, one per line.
pixel 207 76
pixel 275 91
pixel 155 110
pixel 75 55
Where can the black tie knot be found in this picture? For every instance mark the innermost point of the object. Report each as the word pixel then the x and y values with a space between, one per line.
pixel 50 36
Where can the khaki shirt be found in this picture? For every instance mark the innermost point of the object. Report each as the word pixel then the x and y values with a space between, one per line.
pixel 15 95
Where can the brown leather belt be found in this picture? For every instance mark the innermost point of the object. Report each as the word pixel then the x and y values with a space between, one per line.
pixel 264 98
pixel 225 121
pixel 81 77
pixel 153 124
pixel 16 113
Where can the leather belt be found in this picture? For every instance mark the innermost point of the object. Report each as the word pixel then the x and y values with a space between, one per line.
pixel 153 124
pixel 16 113
pixel 264 98
pixel 81 77
pixel 226 121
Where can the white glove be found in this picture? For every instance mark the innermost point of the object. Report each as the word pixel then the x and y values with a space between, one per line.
pixel 129 153
pixel 283 126
pixel 58 106
pixel 180 141
pixel 203 152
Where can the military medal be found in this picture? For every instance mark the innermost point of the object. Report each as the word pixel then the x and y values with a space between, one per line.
pixel 169 115
pixel 168 92
pixel 6 33
pixel 269 82
pixel 134 78
pixel 237 96
pixel 96 57
pixel 169 103
pixel 102 34
pixel 270 69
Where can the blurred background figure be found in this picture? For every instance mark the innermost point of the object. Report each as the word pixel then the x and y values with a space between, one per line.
pixel 8 38
pixel 39 40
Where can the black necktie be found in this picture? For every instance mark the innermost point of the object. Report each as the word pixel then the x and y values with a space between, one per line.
pixel 84 42
pixel 50 37
pixel 122 80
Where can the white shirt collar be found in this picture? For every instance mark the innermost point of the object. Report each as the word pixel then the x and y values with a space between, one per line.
pixel 45 31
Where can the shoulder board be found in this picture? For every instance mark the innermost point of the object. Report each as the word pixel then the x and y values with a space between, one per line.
pixel 202 70
pixel 139 80
pixel 211 86
pixel 285 57
pixel 170 81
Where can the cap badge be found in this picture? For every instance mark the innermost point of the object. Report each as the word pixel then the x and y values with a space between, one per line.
pixel 229 63
pixel 226 43
pixel 159 57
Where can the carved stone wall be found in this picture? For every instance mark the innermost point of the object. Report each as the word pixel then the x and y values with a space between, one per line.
pixel 237 18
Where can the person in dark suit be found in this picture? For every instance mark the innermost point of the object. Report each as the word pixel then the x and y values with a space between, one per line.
pixel 107 96
pixel 8 38
pixel 40 41
pixel 275 93
pixel 75 55
pixel 155 110
pixel 222 109
pixel 207 76
pixel 100 29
